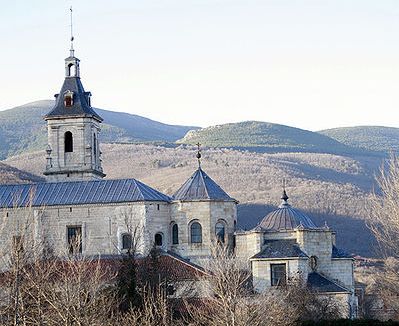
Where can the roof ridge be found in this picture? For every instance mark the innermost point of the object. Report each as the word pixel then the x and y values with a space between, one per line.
pixel 203 176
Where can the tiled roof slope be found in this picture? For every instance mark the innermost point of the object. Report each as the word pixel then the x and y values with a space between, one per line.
pixel 319 283
pixel 286 218
pixel 280 249
pixel 77 193
pixel 80 108
pixel 201 187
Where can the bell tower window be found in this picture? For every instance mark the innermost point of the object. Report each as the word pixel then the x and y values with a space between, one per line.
pixel 68 139
pixel 71 70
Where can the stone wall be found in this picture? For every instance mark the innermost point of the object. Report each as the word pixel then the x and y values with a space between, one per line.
pixel 207 213
pixel 86 153
pixel 261 271
pixel 102 225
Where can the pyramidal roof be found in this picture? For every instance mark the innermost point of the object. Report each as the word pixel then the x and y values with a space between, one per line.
pixel 80 107
pixel 201 187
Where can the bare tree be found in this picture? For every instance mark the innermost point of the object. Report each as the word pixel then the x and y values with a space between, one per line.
pixel 383 221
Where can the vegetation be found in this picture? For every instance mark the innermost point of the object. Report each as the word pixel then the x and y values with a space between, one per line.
pixel 12 175
pixel 384 223
pixel 265 137
pixel 374 138
pixel 23 129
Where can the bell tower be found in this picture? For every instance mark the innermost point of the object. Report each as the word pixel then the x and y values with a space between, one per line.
pixel 73 130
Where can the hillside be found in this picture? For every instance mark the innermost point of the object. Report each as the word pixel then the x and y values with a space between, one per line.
pixel 12 175
pixel 23 128
pixel 331 188
pixel 375 138
pixel 265 137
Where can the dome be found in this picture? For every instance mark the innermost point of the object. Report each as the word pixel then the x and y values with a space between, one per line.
pixel 285 217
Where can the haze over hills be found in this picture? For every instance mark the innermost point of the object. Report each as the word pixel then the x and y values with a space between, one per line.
pixel 23 128
pixel 375 138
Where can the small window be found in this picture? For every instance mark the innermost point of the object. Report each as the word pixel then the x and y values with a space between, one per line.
pixel 220 232
pixel 158 239
pixel 68 140
pixel 278 274
pixel 95 145
pixel 196 233
pixel 175 234
pixel 74 234
pixel 68 99
pixel 127 242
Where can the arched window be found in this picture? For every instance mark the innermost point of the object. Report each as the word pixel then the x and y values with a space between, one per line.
pixel 196 233
pixel 175 234
pixel 158 239
pixel 220 232
pixel 68 139
pixel 71 70
pixel 127 241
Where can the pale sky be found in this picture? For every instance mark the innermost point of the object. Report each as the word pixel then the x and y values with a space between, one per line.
pixel 311 64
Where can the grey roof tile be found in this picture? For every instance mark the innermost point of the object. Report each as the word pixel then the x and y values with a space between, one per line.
pixel 78 192
pixel 201 187
pixel 319 283
pixel 286 218
pixel 280 249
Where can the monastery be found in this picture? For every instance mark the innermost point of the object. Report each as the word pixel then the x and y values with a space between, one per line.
pixel 77 202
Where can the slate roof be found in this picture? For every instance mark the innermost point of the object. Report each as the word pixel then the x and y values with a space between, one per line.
pixel 319 283
pixel 80 108
pixel 286 218
pixel 78 193
pixel 201 187
pixel 280 249
pixel 339 253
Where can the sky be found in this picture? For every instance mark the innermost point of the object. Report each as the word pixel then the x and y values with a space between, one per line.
pixel 311 64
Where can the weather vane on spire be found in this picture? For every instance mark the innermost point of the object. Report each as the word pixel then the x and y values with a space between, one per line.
pixel 72 38
pixel 199 154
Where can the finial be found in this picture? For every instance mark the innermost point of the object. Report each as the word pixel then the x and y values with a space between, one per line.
pixel 72 51
pixel 199 154
pixel 284 196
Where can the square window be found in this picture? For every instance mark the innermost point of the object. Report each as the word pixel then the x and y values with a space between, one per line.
pixel 74 234
pixel 278 274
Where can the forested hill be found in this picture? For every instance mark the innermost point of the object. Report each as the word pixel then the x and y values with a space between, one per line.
pixel 375 138
pixel 267 137
pixel 23 128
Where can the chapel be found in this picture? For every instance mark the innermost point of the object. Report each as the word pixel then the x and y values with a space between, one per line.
pixel 110 216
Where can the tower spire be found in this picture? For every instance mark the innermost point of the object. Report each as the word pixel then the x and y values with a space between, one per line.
pixel 199 155
pixel 72 51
